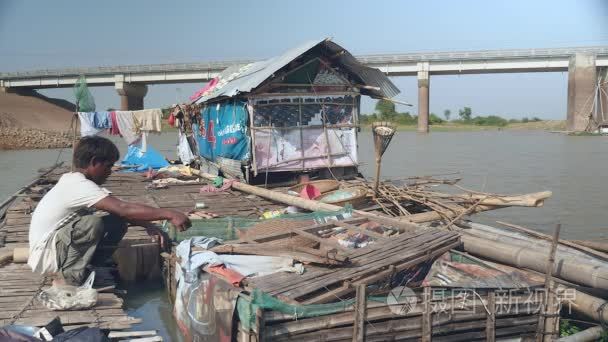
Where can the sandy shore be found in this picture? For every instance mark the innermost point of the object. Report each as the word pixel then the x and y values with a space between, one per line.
pixel 12 138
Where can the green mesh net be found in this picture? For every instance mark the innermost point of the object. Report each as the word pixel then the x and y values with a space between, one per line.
pixel 246 308
pixel 84 98
pixel 226 228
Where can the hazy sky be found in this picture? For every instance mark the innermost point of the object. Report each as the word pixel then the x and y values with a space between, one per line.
pixel 71 33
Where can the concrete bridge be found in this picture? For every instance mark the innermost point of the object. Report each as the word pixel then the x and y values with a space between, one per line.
pixel 585 66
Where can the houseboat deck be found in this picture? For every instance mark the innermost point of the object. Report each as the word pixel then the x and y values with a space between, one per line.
pixel 19 286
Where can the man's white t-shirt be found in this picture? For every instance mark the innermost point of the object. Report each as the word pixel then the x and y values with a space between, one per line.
pixel 72 195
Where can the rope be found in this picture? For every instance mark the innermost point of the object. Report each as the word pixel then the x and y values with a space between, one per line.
pixel 70 129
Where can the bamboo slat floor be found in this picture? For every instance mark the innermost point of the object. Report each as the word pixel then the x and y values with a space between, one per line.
pixel 366 265
pixel 19 286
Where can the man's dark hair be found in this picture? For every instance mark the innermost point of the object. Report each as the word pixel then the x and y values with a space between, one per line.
pixel 100 148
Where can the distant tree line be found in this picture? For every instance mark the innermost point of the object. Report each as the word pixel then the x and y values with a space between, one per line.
pixel 385 110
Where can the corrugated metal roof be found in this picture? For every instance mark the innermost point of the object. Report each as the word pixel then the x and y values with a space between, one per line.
pixel 242 79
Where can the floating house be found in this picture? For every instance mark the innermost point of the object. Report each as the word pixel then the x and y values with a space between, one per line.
pixel 294 113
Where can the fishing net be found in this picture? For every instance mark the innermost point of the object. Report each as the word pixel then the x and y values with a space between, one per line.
pixel 246 308
pixel 84 98
pixel 225 228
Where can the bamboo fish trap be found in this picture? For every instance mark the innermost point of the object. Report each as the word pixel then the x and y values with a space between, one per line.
pixel 383 134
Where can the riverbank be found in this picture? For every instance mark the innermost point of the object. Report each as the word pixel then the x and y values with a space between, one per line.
pixel 12 138
pixel 546 125
pixel 15 138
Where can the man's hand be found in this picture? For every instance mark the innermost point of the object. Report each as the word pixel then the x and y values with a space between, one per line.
pixel 180 221
pixel 156 232
pixel 135 212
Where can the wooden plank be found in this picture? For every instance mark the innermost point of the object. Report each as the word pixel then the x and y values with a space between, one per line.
pixel 122 334
pixel 491 319
pixel 360 314
pixel 360 230
pixel 382 259
pixel 426 316
pixel 322 241
pixel 146 339
pixel 321 275
pixel 260 249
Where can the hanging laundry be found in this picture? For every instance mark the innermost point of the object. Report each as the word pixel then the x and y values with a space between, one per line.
pixel 183 149
pixel 114 124
pixel 147 120
pixel 87 125
pixel 207 88
pixel 126 126
pixel 102 120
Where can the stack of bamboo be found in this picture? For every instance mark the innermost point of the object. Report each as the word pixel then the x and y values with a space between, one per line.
pixel 378 262
pixel 419 201
pixel 480 316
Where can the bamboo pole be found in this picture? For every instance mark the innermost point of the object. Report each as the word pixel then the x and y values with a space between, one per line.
pixel 75 120
pixel 536 199
pixel 573 244
pixel 377 181
pixel 360 314
pixel 491 319
pixel 427 328
pixel 430 216
pixel 396 101
pixel 601 246
pixel 547 323
pixel 304 203
pixel 381 312
pixel 585 304
pixel 405 223
pixel 524 257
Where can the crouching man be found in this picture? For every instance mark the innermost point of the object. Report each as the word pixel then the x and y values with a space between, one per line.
pixel 66 236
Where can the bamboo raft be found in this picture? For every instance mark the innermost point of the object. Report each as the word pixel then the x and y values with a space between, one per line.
pixel 19 286
pixel 138 257
pixel 332 270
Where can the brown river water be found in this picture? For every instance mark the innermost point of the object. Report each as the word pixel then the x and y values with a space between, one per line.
pixel 506 162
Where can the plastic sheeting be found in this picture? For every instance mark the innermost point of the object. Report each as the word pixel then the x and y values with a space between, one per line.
pixel 290 133
pixel 247 265
pixel 196 301
pixel 247 307
pixel 459 270
pixel 141 161
pixel 281 150
pixel 223 131
pixel 204 309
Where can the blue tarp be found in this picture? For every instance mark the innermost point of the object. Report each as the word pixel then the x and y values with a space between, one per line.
pixel 224 131
pixel 143 161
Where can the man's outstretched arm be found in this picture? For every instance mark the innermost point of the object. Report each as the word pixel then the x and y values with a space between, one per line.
pixel 139 212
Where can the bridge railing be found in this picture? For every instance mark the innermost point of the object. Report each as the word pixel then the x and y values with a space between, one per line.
pixel 367 59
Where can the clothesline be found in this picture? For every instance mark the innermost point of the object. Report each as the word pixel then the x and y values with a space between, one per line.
pixel 131 125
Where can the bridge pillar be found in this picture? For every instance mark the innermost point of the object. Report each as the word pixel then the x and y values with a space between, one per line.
pixel 603 96
pixel 582 80
pixel 423 97
pixel 131 95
